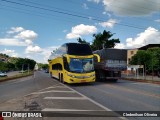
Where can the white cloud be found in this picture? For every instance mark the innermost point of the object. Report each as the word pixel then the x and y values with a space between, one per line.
pixel 72 36
pixel 47 52
pixel 149 36
pixel 110 23
pixel 80 30
pixel 14 55
pixel 120 46
pixel 10 52
pixel 15 30
pixel 96 1
pixel 28 42
pixel 158 20
pixel 104 12
pixel 18 36
pixel 64 31
pixel 12 42
pixel 131 7
pixel 27 34
pixel 85 6
pixel 33 49
pixel 43 56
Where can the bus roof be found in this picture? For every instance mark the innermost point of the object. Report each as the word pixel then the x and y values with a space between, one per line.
pixel 78 49
pixel 72 49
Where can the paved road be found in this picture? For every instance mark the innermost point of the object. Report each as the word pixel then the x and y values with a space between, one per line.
pixel 123 95
pixel 20 87
pixel 50 95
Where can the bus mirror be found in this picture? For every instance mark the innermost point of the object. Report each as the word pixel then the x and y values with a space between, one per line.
pixel 96 58
pixel 49 60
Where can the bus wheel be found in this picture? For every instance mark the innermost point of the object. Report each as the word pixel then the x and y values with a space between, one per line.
pixel 62 78
pixel 59 78
pixel 51 75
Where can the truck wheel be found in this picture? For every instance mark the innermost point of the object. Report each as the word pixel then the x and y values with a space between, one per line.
pixel 100 76
pixel 115 80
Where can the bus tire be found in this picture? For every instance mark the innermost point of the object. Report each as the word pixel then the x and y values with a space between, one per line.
pixel 51 75
pixel 62 80
pixel 59 77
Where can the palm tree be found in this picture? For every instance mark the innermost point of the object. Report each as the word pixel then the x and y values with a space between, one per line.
pixel 103 40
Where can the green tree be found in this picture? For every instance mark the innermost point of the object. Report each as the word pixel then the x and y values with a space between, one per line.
pixel 4 55
pixel 42 66
pixel 104 40
pixel 155 59
pixel 149 58
pixel 10 66
pixel 142 57
pixel 45 66
pixel 24 63
pixel 82 41
pixel 3 66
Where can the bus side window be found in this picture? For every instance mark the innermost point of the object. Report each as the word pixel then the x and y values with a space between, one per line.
pixel 59 66
pixel 66 66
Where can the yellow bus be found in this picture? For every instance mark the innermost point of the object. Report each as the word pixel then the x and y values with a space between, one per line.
pixel 73 63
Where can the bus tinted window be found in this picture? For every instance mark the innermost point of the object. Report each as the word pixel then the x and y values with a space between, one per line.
pixel 79 49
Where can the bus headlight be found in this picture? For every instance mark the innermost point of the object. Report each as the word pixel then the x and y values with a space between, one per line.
pixel 92 75
pixel 71 75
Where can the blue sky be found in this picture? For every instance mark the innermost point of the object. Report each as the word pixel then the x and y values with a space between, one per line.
pixel 34 28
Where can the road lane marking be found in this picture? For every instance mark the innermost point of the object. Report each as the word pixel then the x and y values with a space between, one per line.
pixel 65 98
pixel 98 104
pixel 134 91
pixel 52 87
pixel 148 84
pixel 58 91
pixel 126 98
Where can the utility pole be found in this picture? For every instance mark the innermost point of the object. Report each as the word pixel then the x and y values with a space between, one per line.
pixel 22 67
pixel 152 68
pixel 28 68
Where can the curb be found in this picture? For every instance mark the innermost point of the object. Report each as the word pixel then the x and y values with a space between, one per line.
pixel 142 80
pixel 15 77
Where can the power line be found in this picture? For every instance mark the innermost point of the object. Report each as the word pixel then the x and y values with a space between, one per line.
pixel 75 2
pixel 74 15
pixel 29 12
pixel 48 6
pixel 70 14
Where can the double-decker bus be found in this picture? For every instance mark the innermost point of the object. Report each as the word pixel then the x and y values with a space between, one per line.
pixel 73 63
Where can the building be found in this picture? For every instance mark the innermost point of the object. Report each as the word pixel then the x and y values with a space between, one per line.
pixel 148 46
pixel 132 52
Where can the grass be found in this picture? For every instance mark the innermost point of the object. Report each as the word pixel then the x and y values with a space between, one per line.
pixel 20 75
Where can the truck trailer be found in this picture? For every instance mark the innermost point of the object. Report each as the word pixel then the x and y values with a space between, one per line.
pixel 112 62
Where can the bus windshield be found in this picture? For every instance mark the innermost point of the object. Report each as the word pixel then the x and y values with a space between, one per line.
pixel 81 65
